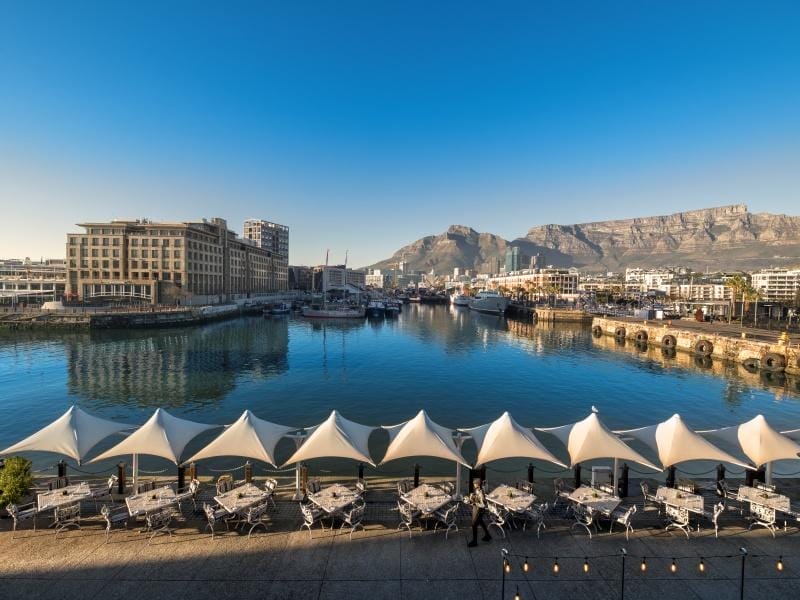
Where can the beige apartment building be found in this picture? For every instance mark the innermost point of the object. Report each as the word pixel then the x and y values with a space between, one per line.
pixel 168 263
pixel 275 239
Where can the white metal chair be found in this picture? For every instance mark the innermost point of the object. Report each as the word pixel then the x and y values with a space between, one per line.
pixel 719 508
pixel 623 516
pixel 114 516
pixel 159 522
pixel 447 487
pixel 525 486
pixel 67 516
pixel 21 513
pixel 535 516
pixel 224 484
pixel 189 493
pixel 446 517
pixel 98 492
pixel 407 515
pixel 762 516
pixel 562 492
pixel 361 488
pixel 256 516
pixel 310 516
pixel 648 497
pixel 678 517
pixel 269 488
pixel 584 517
pixel 313 486
pixel 497 517
pixel 215 514
pixel 354 517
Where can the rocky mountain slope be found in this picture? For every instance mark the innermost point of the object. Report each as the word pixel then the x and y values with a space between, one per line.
pixel 727 237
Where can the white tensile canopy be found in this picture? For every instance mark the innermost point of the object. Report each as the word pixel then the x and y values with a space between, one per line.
pixel 336 437
pixel 249 436
pixel 421 437
pixel 505 438
pixel 162 435
pixel 760 442
pixel 675 443
pixel 73 434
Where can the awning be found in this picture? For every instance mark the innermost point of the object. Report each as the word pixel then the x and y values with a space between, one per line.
pixel 421 437
pixel 760 442
pixel 336 437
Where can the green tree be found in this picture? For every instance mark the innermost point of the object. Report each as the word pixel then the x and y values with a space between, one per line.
pixel 738 285
pixel 15 480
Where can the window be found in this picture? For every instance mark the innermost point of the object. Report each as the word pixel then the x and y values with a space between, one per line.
pixel 105 240
pixel 115 253
pixel 134 242
pixel 134 253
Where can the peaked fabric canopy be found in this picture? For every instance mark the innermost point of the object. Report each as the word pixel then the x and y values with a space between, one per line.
pixel 249 436
pixel 421 437
pixel 760 442
pixel 162 435
pixel 505 438
pixel 675 443
pixel 335 437
pixel 590 439
pixel 73 434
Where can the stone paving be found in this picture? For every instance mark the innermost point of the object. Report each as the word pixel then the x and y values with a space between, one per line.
pixel 383 562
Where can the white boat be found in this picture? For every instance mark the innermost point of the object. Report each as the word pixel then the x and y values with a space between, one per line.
pixel 489 301
pixel 281 308
pixel 459 299
pixel 335 312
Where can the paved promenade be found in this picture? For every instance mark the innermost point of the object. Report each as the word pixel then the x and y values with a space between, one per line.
pixel 383 562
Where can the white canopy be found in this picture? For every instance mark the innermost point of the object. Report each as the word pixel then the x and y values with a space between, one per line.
pixel 760 442
pixel 162 435
pixel 675 443
pixel 73 434
pixel 505 438
pixel 249 436
pixel 590 439
pixel 335 437
pixel 421 437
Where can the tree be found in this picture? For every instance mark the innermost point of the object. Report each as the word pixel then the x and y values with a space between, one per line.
pixel 738 285
pixel 15 480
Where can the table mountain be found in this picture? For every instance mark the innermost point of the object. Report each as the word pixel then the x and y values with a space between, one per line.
pixel 723 238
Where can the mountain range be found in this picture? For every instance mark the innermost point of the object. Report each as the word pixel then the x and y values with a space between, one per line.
pixel 713 239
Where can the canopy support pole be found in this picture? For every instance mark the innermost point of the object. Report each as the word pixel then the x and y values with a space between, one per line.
pixel 135 468
pixel 298 493
pixel 616 476
pixel 768 473
pixel 459 441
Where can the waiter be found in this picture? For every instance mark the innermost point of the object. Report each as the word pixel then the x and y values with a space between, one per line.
pixel 478 501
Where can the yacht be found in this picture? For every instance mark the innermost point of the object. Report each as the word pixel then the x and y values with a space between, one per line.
pixel 489 301
pixel 335 312
pixel 376 309
pixel 459 299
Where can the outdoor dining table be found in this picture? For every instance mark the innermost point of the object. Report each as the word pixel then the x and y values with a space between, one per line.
pixel 333 498
pixel 680 499
pixel 427 498
pixel 597 500
pixel 511 498
pixel 773 500
pixel 240 498
pixel 147 502
pixel 63 496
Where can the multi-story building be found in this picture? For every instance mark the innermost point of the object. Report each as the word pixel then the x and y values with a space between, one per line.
pixel 563 282
pixel 300 278
pixel 31 281
pixel 171 263
pixel 777 285
pixel 338 277
pixel 698 292
pixel 273 238
pixel 378 278
pixel 515 259
pixel 642 280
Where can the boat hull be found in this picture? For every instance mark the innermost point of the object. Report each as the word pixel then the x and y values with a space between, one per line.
pixel 490 306
pixel 327 313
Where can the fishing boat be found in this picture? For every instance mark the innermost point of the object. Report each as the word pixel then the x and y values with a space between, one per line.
pixel 459 299
pixel 334 312
pixel 376 309
pixel 280 308
pixel 489 301
pixel 392 309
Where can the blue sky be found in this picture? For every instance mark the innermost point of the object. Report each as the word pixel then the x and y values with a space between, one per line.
pixel 366 125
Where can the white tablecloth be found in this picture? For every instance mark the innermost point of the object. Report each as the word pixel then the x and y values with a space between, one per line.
pixel 240 498
pixel 63 496
pixel 597 500
pixel 770 499
pixel 511 498
pixel 680 499
pixel 333 498
pixel 151 501
pixel 427 498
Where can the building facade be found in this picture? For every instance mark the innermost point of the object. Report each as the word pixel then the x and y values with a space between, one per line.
pixel 538 281
pixel 378 278
pixel 170 263
pixel 273 238
pixel 642 280
pixel 777 285
pixel 300 278
pixel 338 277
pixel 30 281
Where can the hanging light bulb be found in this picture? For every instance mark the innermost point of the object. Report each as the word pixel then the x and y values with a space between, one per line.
pixel 779 564
pixel 702 565
pixel 643 566
pixel 556 568
pixel 517 596
pixel 673 567
pixel 506 566
pixel 586 565
pixel 525 566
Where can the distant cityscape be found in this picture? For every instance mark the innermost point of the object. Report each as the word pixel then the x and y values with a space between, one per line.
pixel 205 262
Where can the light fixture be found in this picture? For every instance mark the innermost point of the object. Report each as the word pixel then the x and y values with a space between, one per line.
pixel 506 566
pixel 556 568
pixel 643 566
pixel 702 565
pixel 517 596
pixel 586 565
pixel 779 564
pixel 673 567
pixel 525 566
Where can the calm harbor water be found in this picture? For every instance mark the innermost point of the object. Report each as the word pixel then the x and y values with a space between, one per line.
pixel 463 368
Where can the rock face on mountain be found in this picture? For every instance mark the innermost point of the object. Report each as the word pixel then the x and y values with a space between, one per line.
pixel 727 237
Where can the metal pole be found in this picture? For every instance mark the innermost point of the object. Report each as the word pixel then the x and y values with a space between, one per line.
pixel 616 476
pixel 504 555
pixel 768 473
pixel 743 550
pixel 135 468
pixel 622 577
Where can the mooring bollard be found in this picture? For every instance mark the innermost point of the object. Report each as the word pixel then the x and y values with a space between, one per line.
pixel 671 477
pixel 577 476
pixel 62 468
pixel 720 479
pixel 181 477
pixel 122 470
pixel 416 475
pixel 248 472
pixel 623 482
pixel 749 477
pixel 360 471
pixel 530 472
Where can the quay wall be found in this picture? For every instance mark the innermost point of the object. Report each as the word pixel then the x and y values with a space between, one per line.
pixel 753 353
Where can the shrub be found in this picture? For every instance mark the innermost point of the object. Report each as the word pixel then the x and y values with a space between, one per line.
pixel 15 480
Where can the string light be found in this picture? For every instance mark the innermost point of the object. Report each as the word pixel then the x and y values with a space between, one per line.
pixel 673 567
pixel 702 565
pixel 643 566
pixel 517 596
pixel 586 564
pixel 779 564
pixel 507 565
pixel 556 568
pixel 525 566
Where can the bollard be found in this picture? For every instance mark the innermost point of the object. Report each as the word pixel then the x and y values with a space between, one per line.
pixel 530 472
pixel 749 476
pixel 671 477
pixel 360 472
pixel 122 469
pixel 248 472
pixel 720 479
pixel 577 476
pixel 623 482
pixel 192 471
pixel 416 475
pixel 761 474
pixel 181 477
pixel 62 468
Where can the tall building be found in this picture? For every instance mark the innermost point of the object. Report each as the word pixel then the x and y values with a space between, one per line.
pixel 515 259
pixel 300 278
pixel 170 263
pixel 273 238
pixel 32 281
pixel 781 285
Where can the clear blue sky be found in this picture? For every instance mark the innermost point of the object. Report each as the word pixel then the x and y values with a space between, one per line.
pixel 365 125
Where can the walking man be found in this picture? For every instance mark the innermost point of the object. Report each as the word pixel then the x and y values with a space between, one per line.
pixel 478 501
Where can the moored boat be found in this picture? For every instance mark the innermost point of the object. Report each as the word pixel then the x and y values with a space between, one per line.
pixel 392 309
pixel 376 309
pixel 280 308
pixel 459 300
pixel 489 301
pixel 334 312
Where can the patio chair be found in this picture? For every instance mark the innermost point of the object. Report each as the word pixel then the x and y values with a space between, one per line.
pixel 407 515
pixel 189 493
pixel 498 517
pixel 730 500
pixel 21 513
pixel 103 491
pixel 623 516
pixel 648 497
pixel 310 516
pixel 361 488
pixel 58 483
pixel 215 514
pixel 224 484
pixel 159 522
pixel 446 517
pixel 608 488
pixel 68 516
pixel 535 516
pixel 269 490
pixel 719 508
pixel 114 516
pixel 525 486
pixel 354 517
pixel 447 487
pixel 404 486
pixel 766 487
pixel 762 516
pixel 678 517
pixel 313 486
pixel 256 516
pixel 562 491
pixel 584 517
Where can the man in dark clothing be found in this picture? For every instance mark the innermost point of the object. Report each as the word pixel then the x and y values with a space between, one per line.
pixel 478 501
